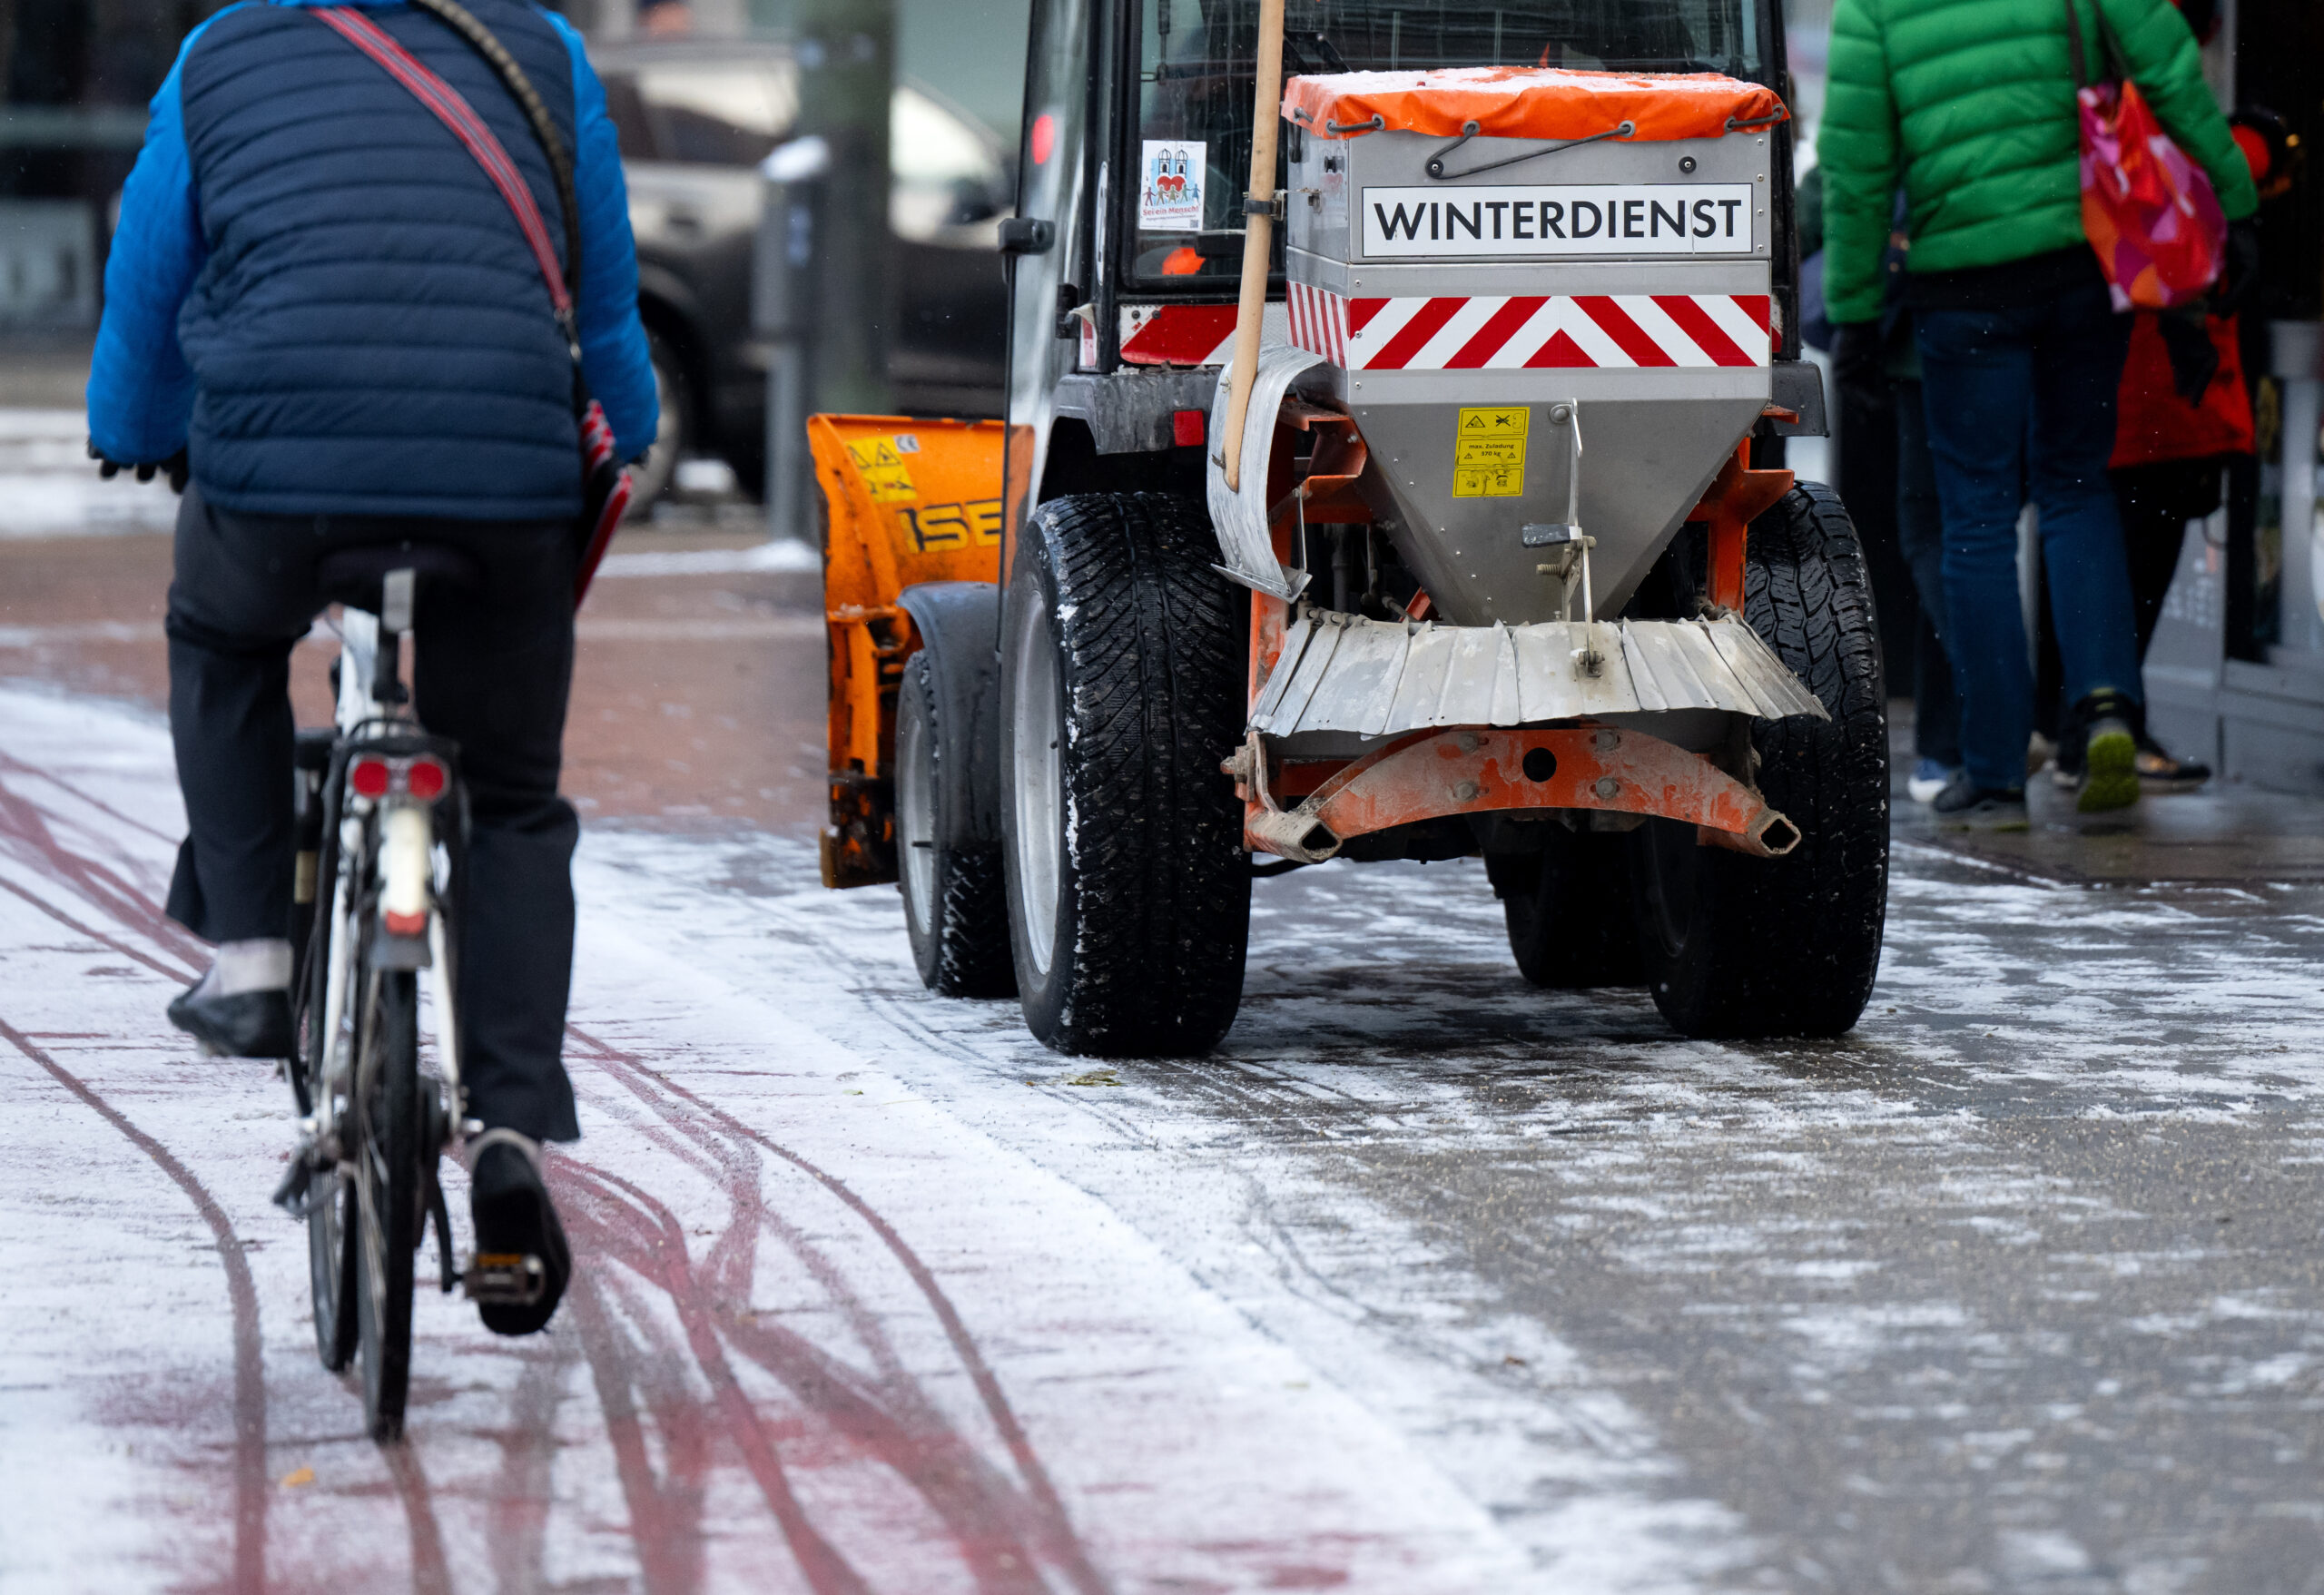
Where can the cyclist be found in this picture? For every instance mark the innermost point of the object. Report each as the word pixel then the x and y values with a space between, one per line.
pixel 319 309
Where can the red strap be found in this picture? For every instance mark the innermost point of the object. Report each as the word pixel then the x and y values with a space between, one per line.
pixel 456 113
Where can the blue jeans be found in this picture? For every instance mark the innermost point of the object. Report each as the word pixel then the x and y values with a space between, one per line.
pixel 2026 396
pixel 1920 538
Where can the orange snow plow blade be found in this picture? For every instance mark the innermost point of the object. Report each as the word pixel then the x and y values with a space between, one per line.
pixel 907 500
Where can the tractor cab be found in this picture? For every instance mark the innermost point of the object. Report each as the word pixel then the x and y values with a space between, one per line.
pixel 1392 472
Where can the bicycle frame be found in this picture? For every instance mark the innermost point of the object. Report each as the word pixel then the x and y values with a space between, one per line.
pixel 405 870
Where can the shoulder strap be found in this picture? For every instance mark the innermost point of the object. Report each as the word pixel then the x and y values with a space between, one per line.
pixel 454 112
pixel 465 22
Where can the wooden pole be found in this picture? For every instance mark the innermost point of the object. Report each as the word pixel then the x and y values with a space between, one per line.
pixel 1258 235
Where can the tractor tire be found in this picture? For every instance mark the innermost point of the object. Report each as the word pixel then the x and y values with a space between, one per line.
pixel 1569 911
pixel 1122 669
pixel 956 910
pixel 1738 947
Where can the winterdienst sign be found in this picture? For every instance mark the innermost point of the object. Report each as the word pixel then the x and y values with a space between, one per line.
pixel 1611 219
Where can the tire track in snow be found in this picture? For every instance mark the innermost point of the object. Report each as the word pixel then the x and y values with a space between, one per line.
pixel 250 1481
pixel 26 833
pixel 628 1226
pixel 518 1511
pixel 101 937
pixel 888 1419
pixel 667 1513
pixel 430 1574
pixel 11 764
pixel 630 1362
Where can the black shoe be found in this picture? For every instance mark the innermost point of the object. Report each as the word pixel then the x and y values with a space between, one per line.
pixel 2159 772
pixel 1964 802
pixel 516 1220
pixel 249 1024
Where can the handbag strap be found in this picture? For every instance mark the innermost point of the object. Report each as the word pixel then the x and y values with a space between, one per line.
pixel 2082 79
pixel 2081 62
pixel 454 112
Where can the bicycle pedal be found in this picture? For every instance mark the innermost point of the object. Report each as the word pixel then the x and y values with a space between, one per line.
pixel 507 1279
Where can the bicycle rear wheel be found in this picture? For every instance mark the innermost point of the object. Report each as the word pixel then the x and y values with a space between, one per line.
pixel 331 1229
pixel 331 1224
pixel 390 1192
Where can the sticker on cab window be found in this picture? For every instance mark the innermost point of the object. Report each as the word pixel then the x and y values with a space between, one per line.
pixel 1170 195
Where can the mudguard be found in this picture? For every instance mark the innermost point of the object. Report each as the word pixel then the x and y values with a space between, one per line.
pixel 958 624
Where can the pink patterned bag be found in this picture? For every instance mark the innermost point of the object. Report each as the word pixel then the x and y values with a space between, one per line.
pixel 2149 211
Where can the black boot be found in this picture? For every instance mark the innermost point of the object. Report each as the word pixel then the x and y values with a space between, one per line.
pixel 516 1221
pixel 249 1024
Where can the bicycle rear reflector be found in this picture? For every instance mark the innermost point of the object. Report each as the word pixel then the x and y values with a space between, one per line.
pixel 425 780
pixel 369 777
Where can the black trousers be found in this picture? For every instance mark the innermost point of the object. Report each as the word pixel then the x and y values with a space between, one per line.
pixel 492 669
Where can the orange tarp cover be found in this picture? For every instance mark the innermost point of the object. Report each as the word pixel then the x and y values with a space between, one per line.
pixel 1529 102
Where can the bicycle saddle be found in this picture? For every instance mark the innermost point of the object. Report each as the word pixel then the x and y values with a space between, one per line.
pixel 353 576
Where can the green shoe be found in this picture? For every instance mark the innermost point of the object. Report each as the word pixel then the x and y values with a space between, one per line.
pixel 2110 769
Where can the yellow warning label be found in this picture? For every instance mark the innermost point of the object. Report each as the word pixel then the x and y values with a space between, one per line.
pixel 1489 454
pixel 882 467
pixel 1493 423
pixel 1488 481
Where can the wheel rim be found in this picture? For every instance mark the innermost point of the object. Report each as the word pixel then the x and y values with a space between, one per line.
pixel 1036 783
pixel 916 819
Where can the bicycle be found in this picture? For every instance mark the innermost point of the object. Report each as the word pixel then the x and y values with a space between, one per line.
pixel 382 827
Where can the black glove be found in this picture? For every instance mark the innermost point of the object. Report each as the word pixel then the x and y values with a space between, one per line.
pixel 1859 355
pixel 174 467
pixel 2240 271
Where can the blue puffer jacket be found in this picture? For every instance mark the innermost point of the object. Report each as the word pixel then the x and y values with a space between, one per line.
pixel 316 288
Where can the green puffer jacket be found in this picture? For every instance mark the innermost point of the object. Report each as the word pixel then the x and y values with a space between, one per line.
pixel 1971 103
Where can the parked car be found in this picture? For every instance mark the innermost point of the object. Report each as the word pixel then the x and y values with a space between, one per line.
pixel 695 118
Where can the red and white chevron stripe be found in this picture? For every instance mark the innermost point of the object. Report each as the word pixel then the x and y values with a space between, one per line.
pixel 1319 323
pixel 1486 332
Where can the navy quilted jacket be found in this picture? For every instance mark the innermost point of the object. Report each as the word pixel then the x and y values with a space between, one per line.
pixel 317 289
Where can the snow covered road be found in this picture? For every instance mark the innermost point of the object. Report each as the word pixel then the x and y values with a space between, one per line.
pixel 1429 1282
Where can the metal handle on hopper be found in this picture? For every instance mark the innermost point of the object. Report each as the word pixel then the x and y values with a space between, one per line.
pixel 1436 167
pixel 1568 534
pixel 1258 234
